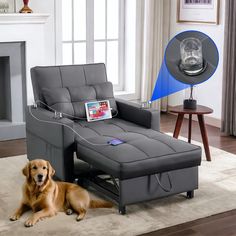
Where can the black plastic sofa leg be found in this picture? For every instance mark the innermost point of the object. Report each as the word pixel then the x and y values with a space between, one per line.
pixel 122 210
pixel 190 194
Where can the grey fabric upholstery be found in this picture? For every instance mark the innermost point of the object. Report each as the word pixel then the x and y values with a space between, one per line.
pixel 66 76
pixel 144 152
pixel 71 100
pixel 67 88
pixel 54 143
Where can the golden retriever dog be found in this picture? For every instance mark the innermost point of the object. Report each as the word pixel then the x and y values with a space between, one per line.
pixel 47 197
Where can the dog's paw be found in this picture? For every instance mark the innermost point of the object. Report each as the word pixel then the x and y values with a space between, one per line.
pixel 30 222
pixel 78 218
pixel 14 217
pixel 69 211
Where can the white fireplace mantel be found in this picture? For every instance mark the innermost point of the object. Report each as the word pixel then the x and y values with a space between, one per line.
pixel 27 30
pixel 21 18
pixel 30 29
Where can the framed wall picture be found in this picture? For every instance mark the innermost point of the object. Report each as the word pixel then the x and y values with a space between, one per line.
pixel 198 11
pixel 7 6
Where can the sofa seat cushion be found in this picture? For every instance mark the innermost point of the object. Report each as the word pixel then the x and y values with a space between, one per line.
pixel 144 152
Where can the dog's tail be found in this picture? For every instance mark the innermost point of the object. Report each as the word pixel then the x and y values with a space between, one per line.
pixel 100 204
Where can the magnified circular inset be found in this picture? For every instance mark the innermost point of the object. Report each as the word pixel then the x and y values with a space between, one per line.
pixel 191 57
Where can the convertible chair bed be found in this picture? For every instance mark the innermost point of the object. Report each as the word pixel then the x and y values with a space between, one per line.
pixel 148 165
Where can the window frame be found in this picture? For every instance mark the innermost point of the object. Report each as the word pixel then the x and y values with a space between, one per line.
pixel 121 90
pixel 90 41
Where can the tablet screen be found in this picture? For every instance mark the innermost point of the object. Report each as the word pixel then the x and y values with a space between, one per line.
pixel 98 110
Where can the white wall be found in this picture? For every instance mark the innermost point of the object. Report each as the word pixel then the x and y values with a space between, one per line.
pixel 210 92
pixel 45 6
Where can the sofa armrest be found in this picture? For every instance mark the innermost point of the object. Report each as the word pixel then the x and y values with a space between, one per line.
pixel 50 141
pixel 149 118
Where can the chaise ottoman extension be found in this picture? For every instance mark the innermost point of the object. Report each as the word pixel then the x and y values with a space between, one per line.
pixel 148 165
pixel 133 164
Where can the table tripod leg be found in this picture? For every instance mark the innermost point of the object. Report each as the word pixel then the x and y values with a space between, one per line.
pixel 190 128
pixel 204 137
pixel 178 125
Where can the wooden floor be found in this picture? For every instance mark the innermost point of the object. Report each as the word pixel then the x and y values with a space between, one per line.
pixel 12 148
pixel 218 225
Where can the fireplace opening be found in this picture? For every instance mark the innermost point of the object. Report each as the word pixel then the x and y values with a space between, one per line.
pixel 12 90
pixel 5 89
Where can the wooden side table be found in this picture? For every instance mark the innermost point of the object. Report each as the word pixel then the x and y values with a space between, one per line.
pixel 200 112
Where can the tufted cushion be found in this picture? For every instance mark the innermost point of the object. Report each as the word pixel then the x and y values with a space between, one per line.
pixel 71 100
pixel 145 151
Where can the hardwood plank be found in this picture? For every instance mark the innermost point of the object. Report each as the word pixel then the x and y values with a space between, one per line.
pixel 223 223
pixel 12 148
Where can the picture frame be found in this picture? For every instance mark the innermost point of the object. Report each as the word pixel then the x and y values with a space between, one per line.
pixel 7 6
pixel 198 11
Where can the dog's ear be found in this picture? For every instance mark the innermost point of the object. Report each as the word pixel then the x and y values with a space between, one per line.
pixel 26 170
pixel 51 171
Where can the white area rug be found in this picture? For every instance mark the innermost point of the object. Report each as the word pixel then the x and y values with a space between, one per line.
pixel 216 193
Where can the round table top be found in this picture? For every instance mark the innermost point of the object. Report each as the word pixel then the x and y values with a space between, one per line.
pixel 201 110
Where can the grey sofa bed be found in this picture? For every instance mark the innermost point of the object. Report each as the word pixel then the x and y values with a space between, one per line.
pixel 148 165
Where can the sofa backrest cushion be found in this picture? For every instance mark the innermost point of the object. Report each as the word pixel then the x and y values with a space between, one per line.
pixel 67 88
pixel 66 76
pixel 71 100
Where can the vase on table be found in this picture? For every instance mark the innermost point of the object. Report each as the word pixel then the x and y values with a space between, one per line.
pixel 25 8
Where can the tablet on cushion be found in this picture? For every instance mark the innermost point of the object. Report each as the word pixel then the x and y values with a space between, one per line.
pixel 98 110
